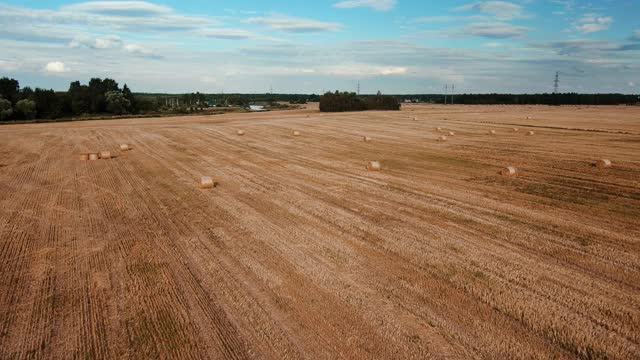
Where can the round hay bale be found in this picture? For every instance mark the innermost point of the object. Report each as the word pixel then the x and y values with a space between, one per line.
pixel 442 138
pixel 492 132
pixel 515 129
pixel 603 163
pixel 83 157
pixel 529 133
pixel 240 132
pixel 438 128
pixel 529 118
pixel 415 119
pixel 296 133
pixel 206 182
pixel 508 171
pixel 451 133
pixel 93 157
pixel 373 166
pixel 105 154
pixel 366 139
pixel 124 147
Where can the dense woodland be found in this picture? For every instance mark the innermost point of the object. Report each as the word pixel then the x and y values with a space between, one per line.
pixel 349 101
pixel 97 97
pixel 104 97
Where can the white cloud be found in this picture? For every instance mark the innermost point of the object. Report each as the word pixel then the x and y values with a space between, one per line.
pixel 107 42
pixel 208 79
pixel 636 35
pixel 229 34
pixel 446 18
pixel 493 30
pixel 364 70
pixel 493 44
pixel 568 5
pixel 441 74
pixel 590 23
pixel 137 19
pixel 380 5
pixel 137 49
pixel 258 70
pixel 591 28
pixel 632 84
pixel 55 67
pixel 501 10
pixel 9 65
pixel 294 25
pixel 573 46
pixel 585 47
pixel 120 8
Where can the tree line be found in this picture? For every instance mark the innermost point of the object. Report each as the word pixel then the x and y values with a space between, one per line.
pixel 105 97
pixel 528 99
pixel 97 97
pixel 349 101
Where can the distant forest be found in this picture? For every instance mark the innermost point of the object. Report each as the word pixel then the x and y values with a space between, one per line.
pixel 105 97
pixel 528 99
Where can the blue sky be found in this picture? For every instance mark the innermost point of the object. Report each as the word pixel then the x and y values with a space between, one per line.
pixel 396 46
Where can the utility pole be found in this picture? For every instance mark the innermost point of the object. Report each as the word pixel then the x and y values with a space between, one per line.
pixel 452 91
pixel 358 87
pixel 556 82
pixel 446 89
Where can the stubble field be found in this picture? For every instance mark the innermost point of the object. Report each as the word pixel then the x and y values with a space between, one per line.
pixel 300 252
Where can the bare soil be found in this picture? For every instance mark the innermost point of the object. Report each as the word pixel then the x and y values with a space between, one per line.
pixel 300 252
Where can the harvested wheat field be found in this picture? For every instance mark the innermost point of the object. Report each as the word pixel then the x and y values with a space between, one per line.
pixel 300 252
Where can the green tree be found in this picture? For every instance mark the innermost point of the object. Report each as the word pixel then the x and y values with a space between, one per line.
pixel 79 98
pixel 129 96
pixel 9 89
pixel 96 96
pixel 109 85
pixel 26 93
pixel 382 102
pixel 237 100
pixel 5 109
pixel 26 109
pixel 48 104
pixel 201 99
pixel 147 103
pixel 337 102
pixel 117 103
pixel 98 89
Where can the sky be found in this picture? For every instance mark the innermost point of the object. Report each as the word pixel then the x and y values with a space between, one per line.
pixel 392 46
